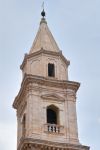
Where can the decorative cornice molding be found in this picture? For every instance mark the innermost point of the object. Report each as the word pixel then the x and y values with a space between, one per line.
pixel 42 51
pixel 41 144
pixel 28 80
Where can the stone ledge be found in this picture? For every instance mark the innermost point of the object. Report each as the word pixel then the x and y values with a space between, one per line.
pixel 32 144
pixel 29 79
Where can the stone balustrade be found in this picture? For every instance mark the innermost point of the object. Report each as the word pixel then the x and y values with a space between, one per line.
pixel 53 128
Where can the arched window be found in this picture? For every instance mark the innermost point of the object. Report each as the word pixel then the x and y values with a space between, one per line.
pixel 51 70
pixel 24 125
pixel 52 115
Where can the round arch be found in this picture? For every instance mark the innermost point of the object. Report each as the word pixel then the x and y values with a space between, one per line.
pixel 52 114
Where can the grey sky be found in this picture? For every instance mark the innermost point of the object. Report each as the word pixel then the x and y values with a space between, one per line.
pixel 75 25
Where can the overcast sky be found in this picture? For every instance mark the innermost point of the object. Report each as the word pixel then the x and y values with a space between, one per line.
pixel 75 25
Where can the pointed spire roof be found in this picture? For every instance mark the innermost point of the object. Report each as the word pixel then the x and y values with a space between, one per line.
pixel 44 39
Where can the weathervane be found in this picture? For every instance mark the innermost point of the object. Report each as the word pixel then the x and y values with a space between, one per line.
pixel 43 12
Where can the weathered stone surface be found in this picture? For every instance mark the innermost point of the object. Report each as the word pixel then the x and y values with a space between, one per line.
pixel 39 91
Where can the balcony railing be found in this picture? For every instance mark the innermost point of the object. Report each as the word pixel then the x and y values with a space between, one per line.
pixel 53 128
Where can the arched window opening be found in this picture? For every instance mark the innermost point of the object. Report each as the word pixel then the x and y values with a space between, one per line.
pixel 51 70
pixel 53 119
pixel 24 126
pixel 52 114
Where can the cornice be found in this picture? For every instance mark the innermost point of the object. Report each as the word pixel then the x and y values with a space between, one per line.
pixel 29 79
pixel 26 143
pixel 42 51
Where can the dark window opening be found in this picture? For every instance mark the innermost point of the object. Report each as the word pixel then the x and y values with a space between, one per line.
pixel 24 125
pixel 51 116
pixel 51 70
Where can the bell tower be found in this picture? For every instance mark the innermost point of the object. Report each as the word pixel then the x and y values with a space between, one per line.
pixel 46 102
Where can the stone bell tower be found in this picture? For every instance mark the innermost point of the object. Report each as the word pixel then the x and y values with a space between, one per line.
pixel 46 102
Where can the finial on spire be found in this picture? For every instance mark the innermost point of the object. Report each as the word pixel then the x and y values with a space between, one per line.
pixel 43 5
pixel 43 12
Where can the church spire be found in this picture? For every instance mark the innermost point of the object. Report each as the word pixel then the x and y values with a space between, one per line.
pixel 46 102
pixel 44 38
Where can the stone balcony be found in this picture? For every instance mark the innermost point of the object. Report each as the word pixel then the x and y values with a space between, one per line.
pixel 54 128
